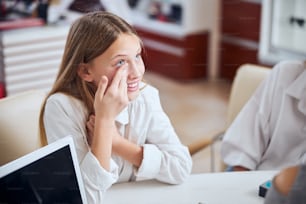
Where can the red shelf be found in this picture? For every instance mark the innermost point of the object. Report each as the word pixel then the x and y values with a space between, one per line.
pixel 21 23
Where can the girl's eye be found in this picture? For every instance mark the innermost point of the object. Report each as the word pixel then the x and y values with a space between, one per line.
pixel 138 56
pixel 120 63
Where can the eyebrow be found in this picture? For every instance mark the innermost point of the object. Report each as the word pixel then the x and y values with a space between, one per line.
pixel 124 55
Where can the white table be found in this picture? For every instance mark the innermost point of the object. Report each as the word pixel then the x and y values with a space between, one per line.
pixel 208 188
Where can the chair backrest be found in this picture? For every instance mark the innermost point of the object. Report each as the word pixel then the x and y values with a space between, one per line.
pixel 19 124
pixel 247 79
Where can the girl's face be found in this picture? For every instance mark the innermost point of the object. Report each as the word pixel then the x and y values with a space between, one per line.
pixel 124 52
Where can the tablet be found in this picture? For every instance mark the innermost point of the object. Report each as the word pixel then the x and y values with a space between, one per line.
pixel 50 174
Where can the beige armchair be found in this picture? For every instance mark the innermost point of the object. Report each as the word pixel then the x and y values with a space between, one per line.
pixel 246 80
pixel 19 124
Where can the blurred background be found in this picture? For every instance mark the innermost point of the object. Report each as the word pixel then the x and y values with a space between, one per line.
pixel 193 50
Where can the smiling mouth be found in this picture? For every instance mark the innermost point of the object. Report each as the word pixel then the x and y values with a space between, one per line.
pixel 133 86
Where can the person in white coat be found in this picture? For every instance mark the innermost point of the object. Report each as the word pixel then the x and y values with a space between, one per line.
pixel 288 186
pixel 119 128
pixel 270 131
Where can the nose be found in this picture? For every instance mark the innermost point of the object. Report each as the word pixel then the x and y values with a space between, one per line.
pixel 134 69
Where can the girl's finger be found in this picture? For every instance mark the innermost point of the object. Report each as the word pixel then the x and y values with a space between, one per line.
pixel 123 82
pixel 118 77
pixel 102 86
pixel 92 120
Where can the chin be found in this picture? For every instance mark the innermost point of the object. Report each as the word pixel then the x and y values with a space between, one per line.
pixel 132 96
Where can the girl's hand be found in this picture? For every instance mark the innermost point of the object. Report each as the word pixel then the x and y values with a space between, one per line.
pixel 111 100
pixel 90 125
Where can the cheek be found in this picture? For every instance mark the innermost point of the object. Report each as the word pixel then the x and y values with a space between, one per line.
pixel 142 67
pixel 110 75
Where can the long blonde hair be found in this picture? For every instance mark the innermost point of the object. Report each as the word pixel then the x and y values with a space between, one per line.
pixel 88 37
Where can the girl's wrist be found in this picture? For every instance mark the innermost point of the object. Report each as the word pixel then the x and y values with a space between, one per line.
pixel 104 121
pixel 117 141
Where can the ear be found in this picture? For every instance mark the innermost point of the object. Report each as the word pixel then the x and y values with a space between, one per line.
pixel 83 72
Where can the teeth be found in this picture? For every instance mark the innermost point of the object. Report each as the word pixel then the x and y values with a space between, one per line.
pixel 132 85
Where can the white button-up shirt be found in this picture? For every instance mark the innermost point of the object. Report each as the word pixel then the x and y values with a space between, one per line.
pixel 143 122
pixel 270 131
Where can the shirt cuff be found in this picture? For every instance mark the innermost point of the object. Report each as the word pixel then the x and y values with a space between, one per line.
pixel 236 158
pixel 151 162
pixel 96 176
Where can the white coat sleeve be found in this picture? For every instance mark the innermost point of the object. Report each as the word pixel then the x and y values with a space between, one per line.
pixel 248 136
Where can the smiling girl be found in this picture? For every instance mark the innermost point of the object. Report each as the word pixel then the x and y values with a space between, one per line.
pixel 120 130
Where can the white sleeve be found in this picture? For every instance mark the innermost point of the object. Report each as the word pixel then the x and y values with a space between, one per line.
pixel 62 119
pixel 165 158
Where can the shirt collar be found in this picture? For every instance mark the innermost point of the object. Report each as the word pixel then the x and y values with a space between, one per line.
pixel 298 90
